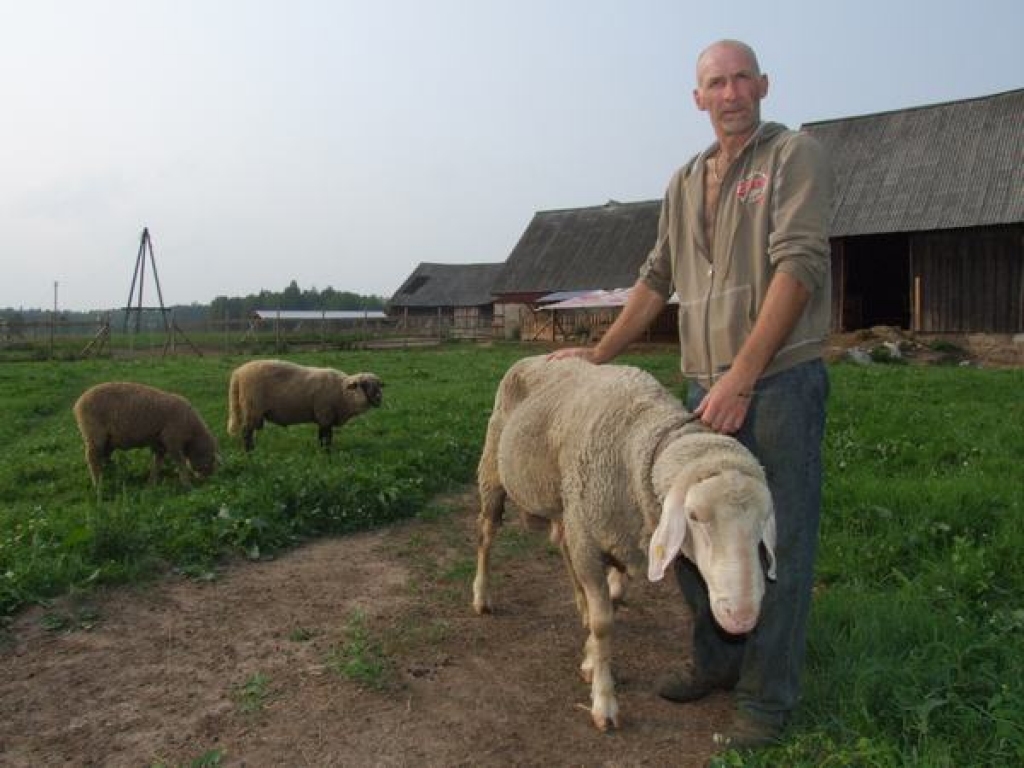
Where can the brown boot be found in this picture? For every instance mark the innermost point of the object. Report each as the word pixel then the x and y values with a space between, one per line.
pixel 691 684
pixel 744 731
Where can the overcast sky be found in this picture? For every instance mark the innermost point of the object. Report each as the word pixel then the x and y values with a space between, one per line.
pixel 341 143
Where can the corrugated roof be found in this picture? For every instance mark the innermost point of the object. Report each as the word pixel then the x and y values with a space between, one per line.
pixel 315 314
pixel 616 297
pixel 581 248
pixel 943 166
pixel 447 285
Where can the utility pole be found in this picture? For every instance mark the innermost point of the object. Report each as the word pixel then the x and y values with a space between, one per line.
pixel 53 318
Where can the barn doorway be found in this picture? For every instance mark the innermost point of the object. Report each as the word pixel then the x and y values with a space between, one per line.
pixel 876 285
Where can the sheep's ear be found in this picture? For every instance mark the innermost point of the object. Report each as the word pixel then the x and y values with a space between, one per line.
pixel 768 538
pixel 669 536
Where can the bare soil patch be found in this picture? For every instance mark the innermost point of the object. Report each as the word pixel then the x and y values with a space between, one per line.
pixel 246 666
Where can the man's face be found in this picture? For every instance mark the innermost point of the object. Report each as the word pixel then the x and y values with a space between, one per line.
pixel 730 89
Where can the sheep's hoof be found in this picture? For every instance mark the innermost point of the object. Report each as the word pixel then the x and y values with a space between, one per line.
pixel 605 723
pixel 482 608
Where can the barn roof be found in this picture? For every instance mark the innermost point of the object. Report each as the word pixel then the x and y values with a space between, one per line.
pixel 943 166
pixel 447 285
pixel 581 248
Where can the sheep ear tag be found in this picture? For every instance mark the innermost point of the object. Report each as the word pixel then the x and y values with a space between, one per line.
pixel 668 537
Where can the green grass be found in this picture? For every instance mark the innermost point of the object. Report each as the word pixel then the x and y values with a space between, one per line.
pixel 917 630
pixel 360 656
pixel 252 695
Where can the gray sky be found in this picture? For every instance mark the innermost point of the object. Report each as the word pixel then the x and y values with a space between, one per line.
pixel 341 143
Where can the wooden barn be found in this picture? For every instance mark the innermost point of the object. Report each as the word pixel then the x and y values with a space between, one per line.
pixel 928 230
pixel 446 300
pixel 564 253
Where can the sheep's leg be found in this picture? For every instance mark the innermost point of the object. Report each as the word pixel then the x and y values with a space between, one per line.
pixel 95 458
pixel 247 440
pixel 577 588
pixel 183 473
pixel 158 462
pixel 598 649
pixel 617 583
pixel 325 435
pixel 492 506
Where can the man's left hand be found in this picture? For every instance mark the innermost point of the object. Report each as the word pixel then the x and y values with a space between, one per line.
pixel 725 406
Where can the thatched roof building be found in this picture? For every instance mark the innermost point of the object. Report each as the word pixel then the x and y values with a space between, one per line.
pixel 447 285
pixel 447 299
pixel 579 249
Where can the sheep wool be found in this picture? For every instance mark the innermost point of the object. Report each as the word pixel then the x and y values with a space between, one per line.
pixel 286 393
pixel 627 479
pixel 121 415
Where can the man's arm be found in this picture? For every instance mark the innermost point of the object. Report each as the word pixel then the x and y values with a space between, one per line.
pixel 642 306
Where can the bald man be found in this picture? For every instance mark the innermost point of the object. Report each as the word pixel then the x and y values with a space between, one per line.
pixel 743 241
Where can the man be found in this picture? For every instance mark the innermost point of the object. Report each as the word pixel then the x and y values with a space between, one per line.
pixel 743 241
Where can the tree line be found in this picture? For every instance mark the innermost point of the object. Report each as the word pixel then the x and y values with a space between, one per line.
pixel 221 308
pixel 291 297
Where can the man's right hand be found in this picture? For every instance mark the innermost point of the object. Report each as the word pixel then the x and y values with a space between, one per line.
pixel 585 353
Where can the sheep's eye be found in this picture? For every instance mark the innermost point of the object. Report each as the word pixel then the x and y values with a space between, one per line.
pixel 700 516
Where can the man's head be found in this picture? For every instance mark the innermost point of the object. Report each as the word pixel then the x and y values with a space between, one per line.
pixel 730 87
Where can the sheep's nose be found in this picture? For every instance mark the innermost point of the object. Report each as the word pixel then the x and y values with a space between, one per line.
pixel 736 620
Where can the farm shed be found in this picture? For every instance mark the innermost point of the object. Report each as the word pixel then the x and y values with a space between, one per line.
pixel 568 252
pixel 446 300
pixel 928 230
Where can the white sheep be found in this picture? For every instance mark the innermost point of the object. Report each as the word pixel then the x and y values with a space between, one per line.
pixel 121 415
pixel 618 466
pixel 286 393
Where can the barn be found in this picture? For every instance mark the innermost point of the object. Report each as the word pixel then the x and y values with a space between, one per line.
pixel 446 300
pixel 928 229
pixel 566 253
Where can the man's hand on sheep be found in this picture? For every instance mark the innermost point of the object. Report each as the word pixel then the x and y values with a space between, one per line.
pixel 583 353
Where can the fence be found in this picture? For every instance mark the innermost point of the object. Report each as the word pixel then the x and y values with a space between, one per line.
pixel 58 338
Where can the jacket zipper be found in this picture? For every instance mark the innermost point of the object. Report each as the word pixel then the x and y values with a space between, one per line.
pixel 707 320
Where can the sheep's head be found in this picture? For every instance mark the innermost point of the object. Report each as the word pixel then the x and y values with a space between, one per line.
pixel 202 455
pixel 719 523
pixel 365 389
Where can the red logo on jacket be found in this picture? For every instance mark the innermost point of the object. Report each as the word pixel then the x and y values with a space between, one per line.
pixel 751 189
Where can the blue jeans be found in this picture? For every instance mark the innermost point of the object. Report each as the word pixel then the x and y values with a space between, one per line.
pixel 784 429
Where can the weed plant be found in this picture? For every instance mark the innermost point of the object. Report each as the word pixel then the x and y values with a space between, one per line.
pixel 917 630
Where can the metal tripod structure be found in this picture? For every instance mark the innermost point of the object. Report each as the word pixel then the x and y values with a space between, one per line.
pixel 136 307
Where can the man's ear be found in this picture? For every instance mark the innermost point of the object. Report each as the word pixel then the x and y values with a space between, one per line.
pixel 698 99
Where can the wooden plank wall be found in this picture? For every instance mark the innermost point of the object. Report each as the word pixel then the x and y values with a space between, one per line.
pixel 971 280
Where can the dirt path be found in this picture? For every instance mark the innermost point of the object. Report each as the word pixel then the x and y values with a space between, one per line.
pixel 244 669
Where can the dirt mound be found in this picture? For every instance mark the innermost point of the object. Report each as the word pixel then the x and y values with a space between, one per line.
pixel 885 343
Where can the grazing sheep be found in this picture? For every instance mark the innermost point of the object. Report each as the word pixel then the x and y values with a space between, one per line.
pixel 618 466
pixel 285 393
pixel 119 415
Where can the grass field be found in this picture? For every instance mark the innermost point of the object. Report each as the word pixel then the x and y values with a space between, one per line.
pixel 918 624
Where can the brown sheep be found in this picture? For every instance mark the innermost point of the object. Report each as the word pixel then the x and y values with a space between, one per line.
pixel 121 415
pixel 286 393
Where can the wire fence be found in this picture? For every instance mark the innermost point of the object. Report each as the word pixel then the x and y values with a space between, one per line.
pixel 162 334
